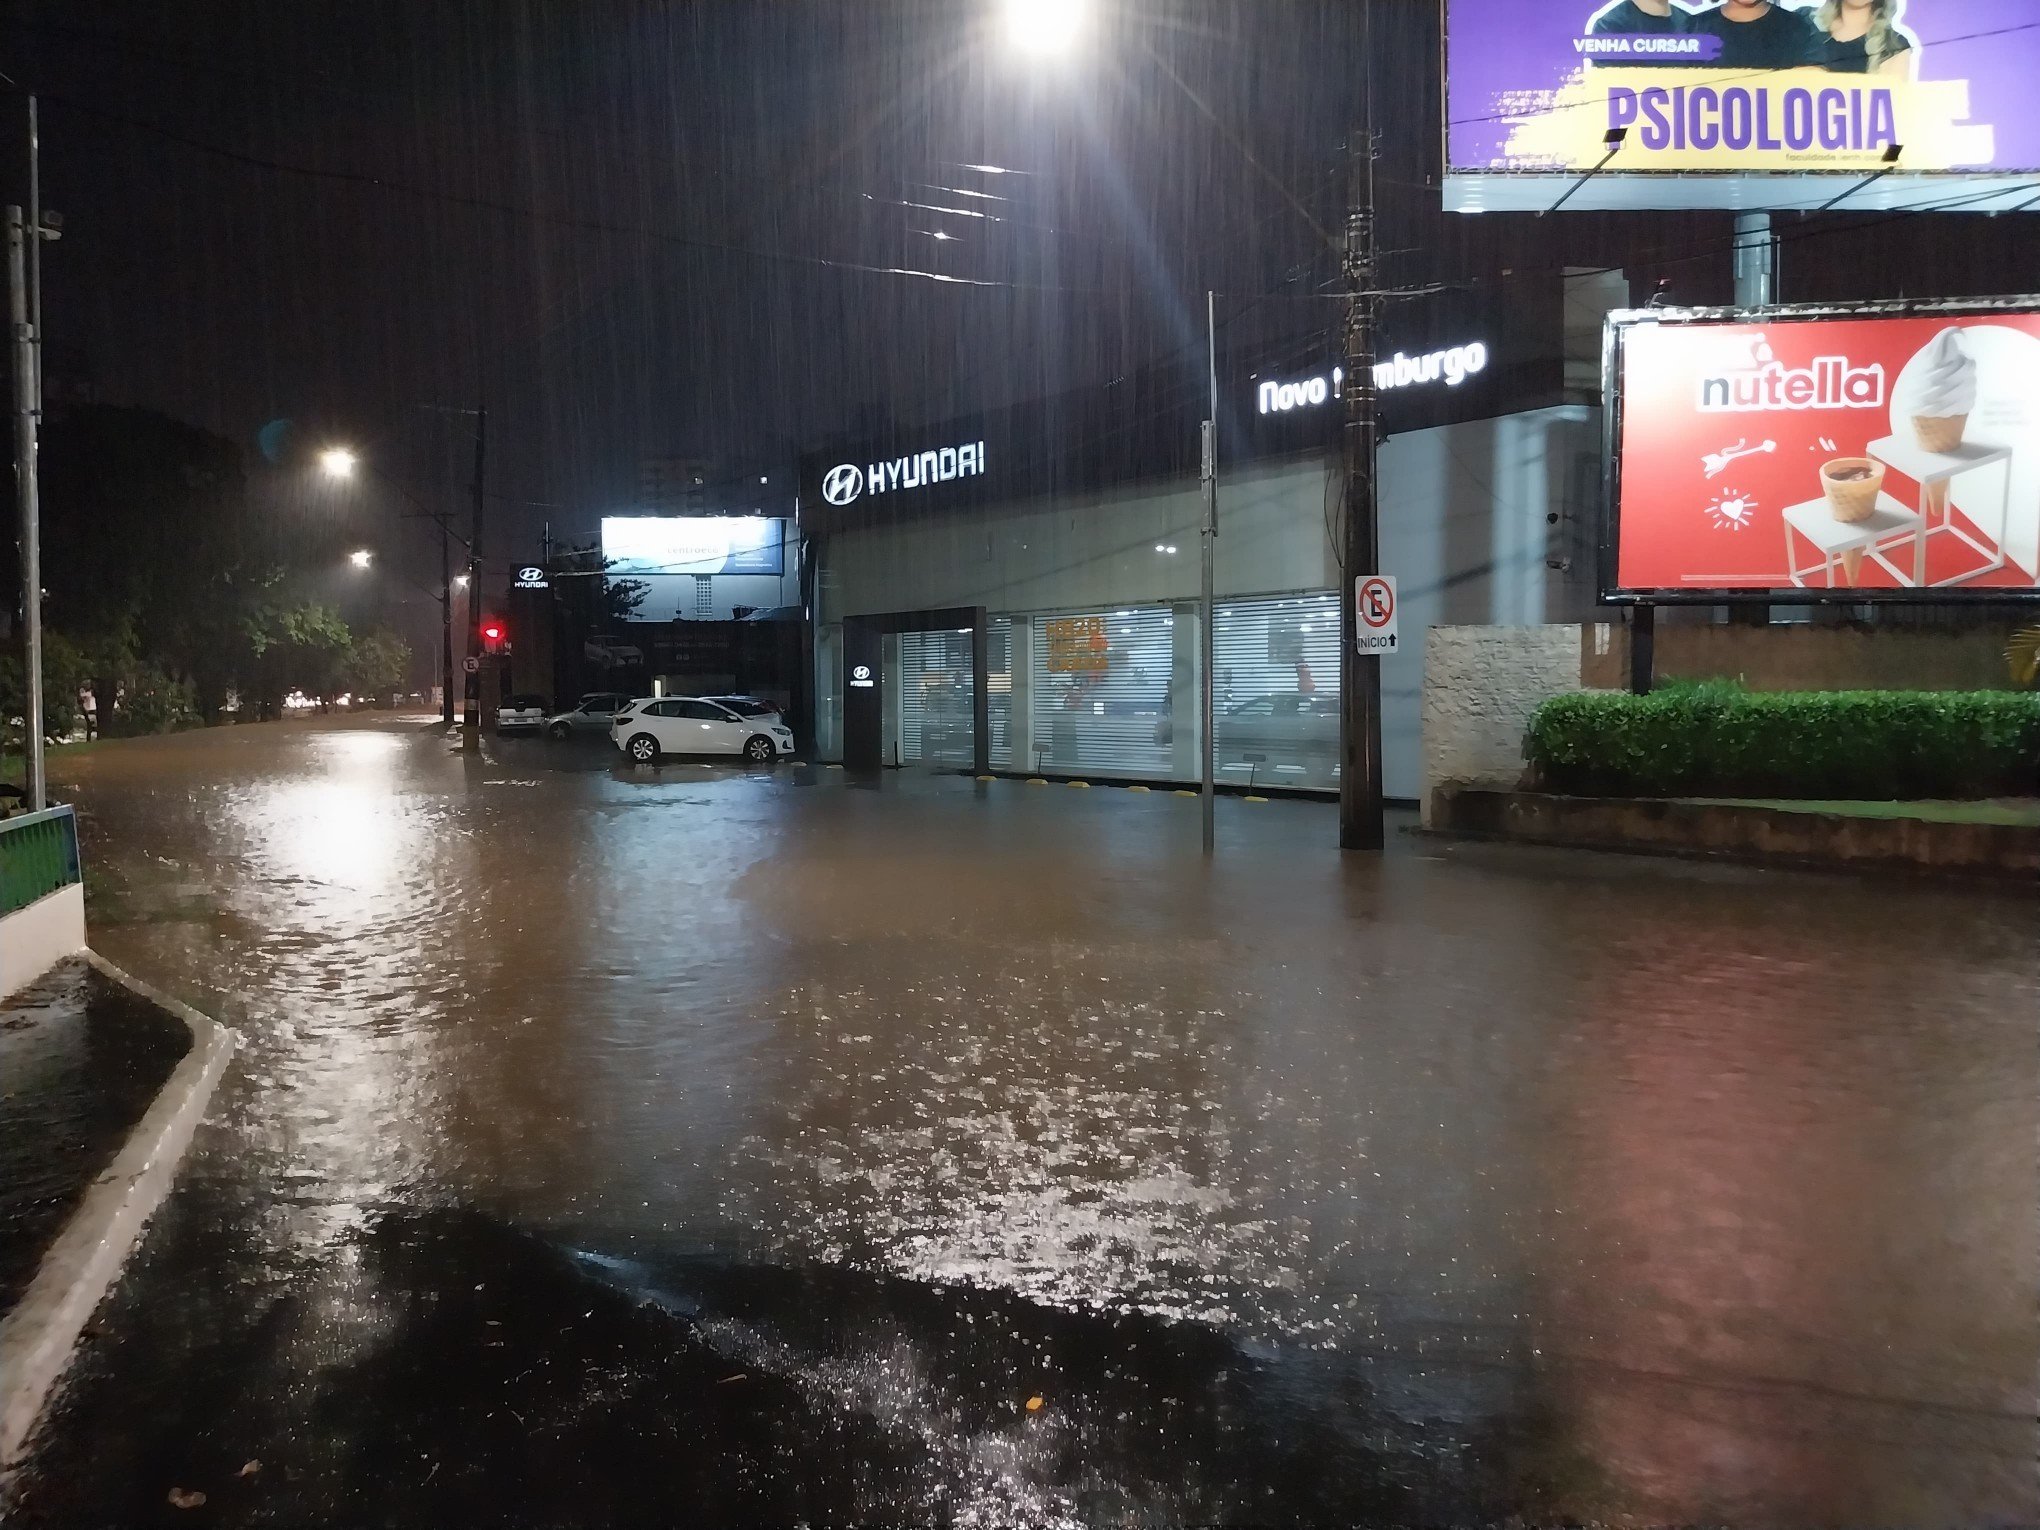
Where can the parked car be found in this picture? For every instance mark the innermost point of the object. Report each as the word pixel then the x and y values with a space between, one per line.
pixel 646 729
pixel 750 706
pixel 1294 728
pixel 592 714
pixel 605 651
pixel 519 712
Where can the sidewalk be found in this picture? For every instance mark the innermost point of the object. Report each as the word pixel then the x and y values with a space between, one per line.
pixel 81 1058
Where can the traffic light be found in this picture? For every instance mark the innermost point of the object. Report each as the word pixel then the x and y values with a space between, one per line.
pixel 494 633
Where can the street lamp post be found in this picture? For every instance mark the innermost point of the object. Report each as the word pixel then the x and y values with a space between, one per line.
pixel 25 405
pixel 340 462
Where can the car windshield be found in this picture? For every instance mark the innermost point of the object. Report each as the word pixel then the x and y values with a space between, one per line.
pixel 745 706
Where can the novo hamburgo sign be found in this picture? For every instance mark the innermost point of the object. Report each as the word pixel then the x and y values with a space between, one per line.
pixel 1451 366
pixel 847 482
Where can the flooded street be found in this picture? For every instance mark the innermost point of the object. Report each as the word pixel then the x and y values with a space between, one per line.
pixel 625 1145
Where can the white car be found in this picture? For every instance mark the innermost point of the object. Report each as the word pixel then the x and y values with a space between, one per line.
pixel 659 725
pixel 520 712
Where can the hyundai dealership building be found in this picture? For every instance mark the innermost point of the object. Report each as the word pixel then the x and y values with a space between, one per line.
pixel 1030 577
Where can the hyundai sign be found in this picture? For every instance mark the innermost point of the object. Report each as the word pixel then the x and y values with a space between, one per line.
pixel 703 544
pixel 847 482
pixel 1699 103
pixel 1874 454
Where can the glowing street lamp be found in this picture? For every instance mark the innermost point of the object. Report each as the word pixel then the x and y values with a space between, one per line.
pixel 361 557
pixel 337 462
pixel 1045 26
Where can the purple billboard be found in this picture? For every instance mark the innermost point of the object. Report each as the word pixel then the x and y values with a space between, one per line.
pixel 1741 103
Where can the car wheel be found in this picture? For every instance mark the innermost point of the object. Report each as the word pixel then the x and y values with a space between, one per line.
pixel 758 749
pixel 561 730
pixel 643 749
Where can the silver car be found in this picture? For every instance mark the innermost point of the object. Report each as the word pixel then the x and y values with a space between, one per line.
pixel 594 714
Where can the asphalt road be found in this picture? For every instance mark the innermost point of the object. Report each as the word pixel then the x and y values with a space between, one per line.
pixel 701 1145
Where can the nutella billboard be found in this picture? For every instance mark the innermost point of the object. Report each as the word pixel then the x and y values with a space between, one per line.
pixel 1815 455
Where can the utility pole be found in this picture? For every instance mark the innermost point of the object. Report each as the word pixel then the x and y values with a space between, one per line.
pixel 471 713
pixel 1209 539
pixel 445 623
pixel 25 493
pixel 1360 817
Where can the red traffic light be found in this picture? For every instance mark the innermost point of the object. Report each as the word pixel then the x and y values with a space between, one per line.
pixel 493 633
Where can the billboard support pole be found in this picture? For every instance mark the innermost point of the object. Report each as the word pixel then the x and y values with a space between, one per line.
pixel 1756 286
pixel 1756 261
pixel 1360 808
pixel 1642 649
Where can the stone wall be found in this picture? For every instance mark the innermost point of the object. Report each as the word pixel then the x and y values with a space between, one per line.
pixel 1480 686
pixel 1482 683
pixel 1798 657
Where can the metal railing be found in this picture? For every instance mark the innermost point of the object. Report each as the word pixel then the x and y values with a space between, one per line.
pixel 38 855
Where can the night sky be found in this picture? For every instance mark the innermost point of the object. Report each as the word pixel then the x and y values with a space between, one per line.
pixel 636 230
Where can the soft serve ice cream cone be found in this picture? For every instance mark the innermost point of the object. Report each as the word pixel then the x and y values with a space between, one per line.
pixel 1942 393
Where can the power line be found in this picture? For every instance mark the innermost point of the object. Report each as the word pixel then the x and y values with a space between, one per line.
pixel 536 215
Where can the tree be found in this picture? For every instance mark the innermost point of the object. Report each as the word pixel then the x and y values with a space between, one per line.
pixel 65 672
pixel 296 648
pixel 590 595
pixel 378 665
pixel 145 535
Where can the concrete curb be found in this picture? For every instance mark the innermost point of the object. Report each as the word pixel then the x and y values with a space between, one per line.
pixel 38 1337
pixel 1980 852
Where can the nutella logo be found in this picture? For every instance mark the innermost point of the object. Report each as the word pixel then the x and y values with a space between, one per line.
pixel 1830 383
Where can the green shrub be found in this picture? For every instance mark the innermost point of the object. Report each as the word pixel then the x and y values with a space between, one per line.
pixel 1718 740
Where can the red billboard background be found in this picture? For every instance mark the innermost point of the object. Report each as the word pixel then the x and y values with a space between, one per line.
pixel 1866 457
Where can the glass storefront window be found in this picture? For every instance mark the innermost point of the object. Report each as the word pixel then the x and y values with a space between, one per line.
pixel 934 696
pixel 1275 690
pixel 1099 692
pixel 1094 693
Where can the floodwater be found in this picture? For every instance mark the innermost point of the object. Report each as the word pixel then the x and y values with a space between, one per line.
pixel 621 1146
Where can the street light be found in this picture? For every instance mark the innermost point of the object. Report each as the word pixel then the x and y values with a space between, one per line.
pixel 360 557
pixel 1045 26
pixel 337 462
pixel 460 581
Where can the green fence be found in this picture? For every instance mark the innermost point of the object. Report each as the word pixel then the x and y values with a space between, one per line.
pixel 38 855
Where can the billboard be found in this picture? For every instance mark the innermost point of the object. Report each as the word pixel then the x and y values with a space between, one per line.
pixel 699 544
pixel 1740 103
pixel 1808 455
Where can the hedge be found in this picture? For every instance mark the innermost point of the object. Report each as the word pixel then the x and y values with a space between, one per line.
pixel 1718 740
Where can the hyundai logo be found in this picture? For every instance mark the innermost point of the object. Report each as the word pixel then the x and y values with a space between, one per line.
pixel 862 672
pixel 531 575
pixel 843 483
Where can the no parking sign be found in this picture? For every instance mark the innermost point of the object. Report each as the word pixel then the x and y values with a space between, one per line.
pixel 1374 601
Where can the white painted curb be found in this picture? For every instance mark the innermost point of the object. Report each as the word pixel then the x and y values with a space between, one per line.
pixel 37 1338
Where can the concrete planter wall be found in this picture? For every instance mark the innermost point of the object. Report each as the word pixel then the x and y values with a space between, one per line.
pixel 42 895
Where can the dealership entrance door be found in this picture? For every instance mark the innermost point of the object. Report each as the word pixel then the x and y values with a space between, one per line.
pixel 915 690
